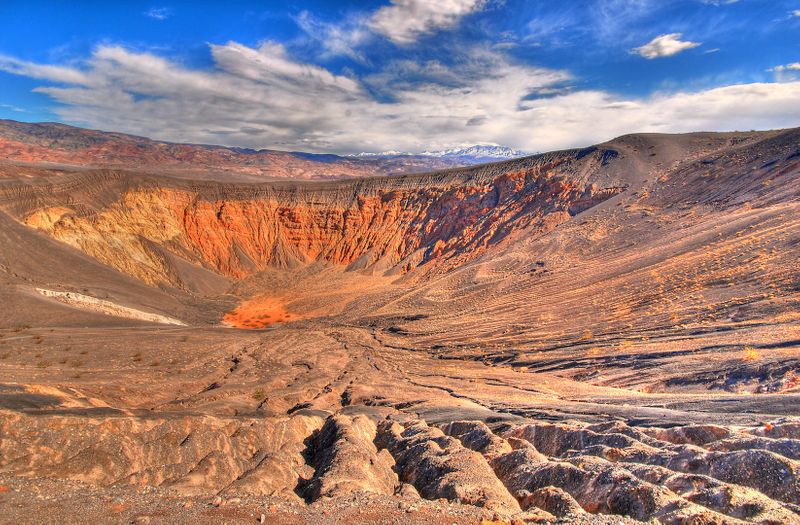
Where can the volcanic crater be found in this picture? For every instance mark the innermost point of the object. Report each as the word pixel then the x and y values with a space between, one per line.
pixel 603 335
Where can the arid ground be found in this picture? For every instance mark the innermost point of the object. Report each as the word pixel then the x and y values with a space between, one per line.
pixel 606 335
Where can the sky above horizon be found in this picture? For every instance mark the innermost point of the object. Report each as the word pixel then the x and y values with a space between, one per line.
pixel 402 75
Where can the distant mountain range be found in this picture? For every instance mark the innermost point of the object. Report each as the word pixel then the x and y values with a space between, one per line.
pixel 479 151
pixel 63 147
pixel 471 154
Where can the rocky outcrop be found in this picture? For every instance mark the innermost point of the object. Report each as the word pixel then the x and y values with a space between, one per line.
pixel 753 485
pixel 347 460
pixel 691 434
pixel 194 455
pixel 345 454
pixel 477 436
pixel 440 467
pixel 584 473
pixel 554 500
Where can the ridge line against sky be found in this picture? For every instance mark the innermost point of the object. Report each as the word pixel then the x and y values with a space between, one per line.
pixel 407 75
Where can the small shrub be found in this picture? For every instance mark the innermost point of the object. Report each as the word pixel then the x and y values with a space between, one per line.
pixel 750 354
pixel 259 394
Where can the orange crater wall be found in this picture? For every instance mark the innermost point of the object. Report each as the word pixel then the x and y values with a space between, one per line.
pixel 438 227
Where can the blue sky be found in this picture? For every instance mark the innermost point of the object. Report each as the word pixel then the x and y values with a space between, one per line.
pixel 406 75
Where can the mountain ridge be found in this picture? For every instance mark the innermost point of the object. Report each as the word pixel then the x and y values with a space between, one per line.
pixel 62 145
pixel 475 151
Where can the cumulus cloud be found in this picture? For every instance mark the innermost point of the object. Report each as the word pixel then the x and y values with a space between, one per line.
pixel 159 13
pixel 788 67
pixel 664 46
pixel 405 20
pixel 786 72
pixel 264 98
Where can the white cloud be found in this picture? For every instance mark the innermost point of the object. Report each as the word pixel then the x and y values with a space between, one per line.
pixel 158 13
pixel 263 98
pixel 796 13
pixel 11 107
pixel 335 39
pixel 664 46
pixel 787 72
pixel 405 20
pixel 45 72
pixel 788 67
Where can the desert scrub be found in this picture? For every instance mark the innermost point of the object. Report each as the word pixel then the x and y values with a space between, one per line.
pixel 258 394
pixel 750 354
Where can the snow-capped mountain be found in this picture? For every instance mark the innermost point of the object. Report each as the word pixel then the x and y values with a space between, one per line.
pixel 480 151
pixel 470 154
